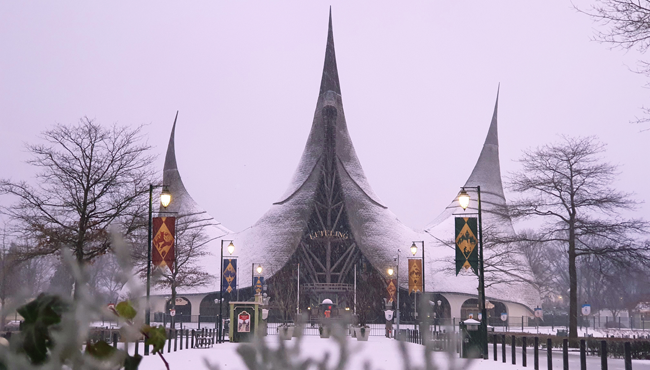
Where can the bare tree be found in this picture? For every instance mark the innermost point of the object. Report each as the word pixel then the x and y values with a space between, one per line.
pixel 283 290
pixel 568 187
pixel 626 25
pixel 505 258
pixel 90 178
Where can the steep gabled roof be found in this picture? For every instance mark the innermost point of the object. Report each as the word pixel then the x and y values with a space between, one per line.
pixel 487 175
pixel 191 214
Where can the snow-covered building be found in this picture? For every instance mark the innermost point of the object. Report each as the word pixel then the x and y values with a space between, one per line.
pixel 329 219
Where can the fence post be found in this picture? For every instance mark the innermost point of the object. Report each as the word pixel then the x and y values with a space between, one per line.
pixel 522 324
pixel 513 347
pixel 628 356
pixel 494 346
pixel 169 341
pixel 536 354
pixel 523 351
pixel 583 355
pixel 175 339
pixel 503 348
pixel 181 340
pixel 565 354
pixel 603 355
pixel 193 338
pixel 187 338
pixel 549 353
pixel 114 339
pixel 137 344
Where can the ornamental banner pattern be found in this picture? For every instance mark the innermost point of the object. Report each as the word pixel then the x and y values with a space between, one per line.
pixel 164 231
pixel 466 244
pixel 415 275
pixel 229 274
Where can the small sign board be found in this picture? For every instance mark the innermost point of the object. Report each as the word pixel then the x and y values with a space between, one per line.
pixel 172 312
pixel 388 314
pixel 586 309
pixel 504 316
pixel 538 312
pixel 244 322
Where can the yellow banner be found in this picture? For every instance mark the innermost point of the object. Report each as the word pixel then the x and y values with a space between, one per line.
pixel 415 275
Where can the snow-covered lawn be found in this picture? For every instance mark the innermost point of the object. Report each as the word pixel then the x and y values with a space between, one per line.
pixel 382 353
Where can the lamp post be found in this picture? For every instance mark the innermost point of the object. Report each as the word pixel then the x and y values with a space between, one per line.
pixel 463 200
pixel 165 199
pixel 231 250
pixel 390 273
pixel 414 250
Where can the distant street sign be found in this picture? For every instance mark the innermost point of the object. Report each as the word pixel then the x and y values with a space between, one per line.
pixel 504 316
pixel 538 312
pixel 172 312
pixel 586 309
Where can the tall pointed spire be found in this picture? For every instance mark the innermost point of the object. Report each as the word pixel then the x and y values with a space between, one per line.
pixel 170 157
pixel 487 171
pixel 330 79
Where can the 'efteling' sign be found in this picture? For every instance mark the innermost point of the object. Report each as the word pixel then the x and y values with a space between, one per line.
pixel 327 234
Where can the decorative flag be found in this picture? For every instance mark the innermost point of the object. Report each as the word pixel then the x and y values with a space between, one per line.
pixel 415 275
pixel 466 244
pixel 258 284
pixel 229 281
pixel 164 231
pixel 391 289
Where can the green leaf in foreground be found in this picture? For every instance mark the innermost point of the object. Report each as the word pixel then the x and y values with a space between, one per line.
pixel 39 315
pixel 100 350
pixel 125 310
pixel 156 337
pixel 132 362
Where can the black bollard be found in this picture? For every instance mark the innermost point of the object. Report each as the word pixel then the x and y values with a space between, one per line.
pixel 169 341
pixel 523 351
pixel 503 348
pixel 513 347
pixel 114 340
pixel 603 355
pixel 193 338
pixel 536 354
pixel 187 338
pixel 137 344
pixel 583 355
pixel 494 346
pixel 549 354
pixel 628 356
pixel 181 333
pixel 175 340
pixel 565 354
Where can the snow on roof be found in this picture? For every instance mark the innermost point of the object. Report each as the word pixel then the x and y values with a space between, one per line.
pixel 379 234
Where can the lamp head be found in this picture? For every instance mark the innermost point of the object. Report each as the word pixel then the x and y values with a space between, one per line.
pixel 231 248
pixel 463 199
pixel 165 197
pixel 259 268
pixel 414 249
pixel 390 271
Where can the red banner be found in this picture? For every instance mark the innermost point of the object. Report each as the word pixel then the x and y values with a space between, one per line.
pixel 164 232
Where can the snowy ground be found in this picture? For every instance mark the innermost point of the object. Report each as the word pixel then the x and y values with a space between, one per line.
pixel 382 353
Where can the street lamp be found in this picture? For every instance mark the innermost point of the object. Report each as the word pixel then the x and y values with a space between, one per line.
pixel 231 250
pixel 165 200
pixel 414 250
pixel 259 273
pixel 390 273
pixel 463 200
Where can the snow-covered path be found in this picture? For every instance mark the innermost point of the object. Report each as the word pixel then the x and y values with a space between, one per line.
pixel 382 353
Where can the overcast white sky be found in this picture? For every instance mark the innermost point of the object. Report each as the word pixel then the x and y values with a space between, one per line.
pixel 418 81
